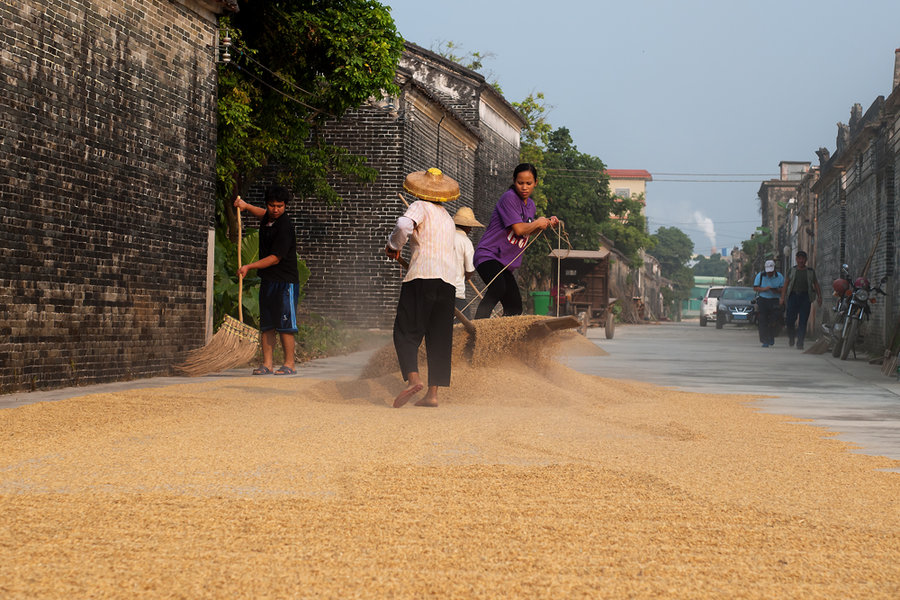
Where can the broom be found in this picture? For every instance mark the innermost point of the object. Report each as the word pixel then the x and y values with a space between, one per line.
pixel 233 345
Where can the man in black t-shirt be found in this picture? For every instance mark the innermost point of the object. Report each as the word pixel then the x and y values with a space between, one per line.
pixel 280 287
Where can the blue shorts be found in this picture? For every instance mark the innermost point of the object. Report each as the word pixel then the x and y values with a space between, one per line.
pixel 278 306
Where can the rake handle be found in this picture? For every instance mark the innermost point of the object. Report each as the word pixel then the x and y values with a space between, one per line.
pixel 240 277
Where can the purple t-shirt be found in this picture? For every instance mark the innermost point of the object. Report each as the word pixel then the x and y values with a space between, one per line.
pixel 499 242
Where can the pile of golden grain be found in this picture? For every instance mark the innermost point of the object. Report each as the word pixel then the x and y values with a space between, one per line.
pixel 528 481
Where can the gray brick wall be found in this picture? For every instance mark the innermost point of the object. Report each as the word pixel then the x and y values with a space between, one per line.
pixel 857 211
pixel 106 174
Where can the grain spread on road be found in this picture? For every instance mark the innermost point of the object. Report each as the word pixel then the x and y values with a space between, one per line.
pixel 530 480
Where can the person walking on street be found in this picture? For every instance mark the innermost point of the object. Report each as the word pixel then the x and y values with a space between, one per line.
pixel 768 285
pixel 797 296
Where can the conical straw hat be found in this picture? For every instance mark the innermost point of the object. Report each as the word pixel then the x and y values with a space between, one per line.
pixel 465 217
pixel 431 185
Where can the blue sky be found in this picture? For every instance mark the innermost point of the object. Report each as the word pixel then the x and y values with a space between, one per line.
pixel 719 91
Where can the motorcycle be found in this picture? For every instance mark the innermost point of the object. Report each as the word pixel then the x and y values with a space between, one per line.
pixel 852 306
pixel 841 295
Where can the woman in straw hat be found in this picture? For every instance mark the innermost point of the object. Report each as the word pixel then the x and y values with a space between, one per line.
pixel 501 247
pixel 425 307
pixel 465 252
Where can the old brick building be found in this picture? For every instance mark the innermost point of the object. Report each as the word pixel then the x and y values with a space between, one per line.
pixel 847 207
pixel 107 118
pixel 445 116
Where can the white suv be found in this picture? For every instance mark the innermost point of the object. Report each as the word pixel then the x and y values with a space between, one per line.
pixel 709 304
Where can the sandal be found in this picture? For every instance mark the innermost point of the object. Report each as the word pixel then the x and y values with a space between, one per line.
pixel 262 370
pixel 285 370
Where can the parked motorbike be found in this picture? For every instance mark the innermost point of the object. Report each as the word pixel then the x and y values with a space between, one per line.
pixel 841 302
pixel 852 306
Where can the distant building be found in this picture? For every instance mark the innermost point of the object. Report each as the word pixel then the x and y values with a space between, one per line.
pixel 629 183
pixel 776 199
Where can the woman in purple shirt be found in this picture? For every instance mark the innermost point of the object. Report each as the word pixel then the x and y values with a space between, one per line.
pixel 500 250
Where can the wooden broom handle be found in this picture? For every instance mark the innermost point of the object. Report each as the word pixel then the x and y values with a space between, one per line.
pixel 240 277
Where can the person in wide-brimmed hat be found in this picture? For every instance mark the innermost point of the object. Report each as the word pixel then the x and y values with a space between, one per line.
pixel 425 307
pixel 465 267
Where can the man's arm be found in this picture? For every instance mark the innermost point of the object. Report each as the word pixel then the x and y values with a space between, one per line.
pixel 256 211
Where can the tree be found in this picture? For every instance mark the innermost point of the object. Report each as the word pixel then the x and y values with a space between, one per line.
pixel 295 65
pixel 713 266
pixel 576 189
pixel 535 136
pixel 673 248
pixel 758 249
pixel 627 229
pixel 473 60
pixel 573 188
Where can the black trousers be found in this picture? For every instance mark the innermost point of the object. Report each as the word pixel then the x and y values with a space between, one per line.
pixel 504 289
pixel 425 310
pixel 797 315
pixel 768 314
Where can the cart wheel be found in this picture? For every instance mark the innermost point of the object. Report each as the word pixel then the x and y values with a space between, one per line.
pixel 610 325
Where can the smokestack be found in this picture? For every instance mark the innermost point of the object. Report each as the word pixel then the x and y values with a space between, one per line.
pixel 896 68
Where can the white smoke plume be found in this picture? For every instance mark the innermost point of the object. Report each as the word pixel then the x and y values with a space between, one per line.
pixel 709 230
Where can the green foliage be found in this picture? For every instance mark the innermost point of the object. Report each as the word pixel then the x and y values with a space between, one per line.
pixel 758 248
pixel 535 137
pixel 628 231
pixel 672 248
pixel 297 64
pixel 712 266
pixel 318 336
pixel 473 60
pixel 576 189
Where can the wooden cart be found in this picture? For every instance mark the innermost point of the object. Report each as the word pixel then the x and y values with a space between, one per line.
pixel 584 278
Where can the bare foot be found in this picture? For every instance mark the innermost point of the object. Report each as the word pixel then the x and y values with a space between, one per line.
pixel 430 398
pixel 404 396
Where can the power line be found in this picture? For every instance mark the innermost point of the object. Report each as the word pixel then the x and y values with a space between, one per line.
pixel 276 90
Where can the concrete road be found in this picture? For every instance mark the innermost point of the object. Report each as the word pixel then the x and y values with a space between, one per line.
pixel 851 398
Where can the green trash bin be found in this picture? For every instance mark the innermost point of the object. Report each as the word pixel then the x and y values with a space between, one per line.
pixel 541 302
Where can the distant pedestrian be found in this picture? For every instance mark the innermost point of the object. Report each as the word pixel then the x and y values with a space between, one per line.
pixel 768 285
pixel 465 220
pixel 797 296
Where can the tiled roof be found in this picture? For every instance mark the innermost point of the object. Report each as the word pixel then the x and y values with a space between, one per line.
pixel 629 174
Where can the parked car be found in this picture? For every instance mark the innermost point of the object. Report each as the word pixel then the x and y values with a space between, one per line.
pixel 736 305
pixel 708 304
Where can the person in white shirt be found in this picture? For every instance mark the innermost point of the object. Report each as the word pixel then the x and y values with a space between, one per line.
pixel 465 220
pixel 425 307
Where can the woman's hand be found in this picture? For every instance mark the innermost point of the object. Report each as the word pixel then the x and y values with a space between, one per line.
pixel 394 254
